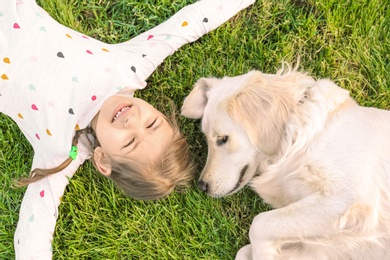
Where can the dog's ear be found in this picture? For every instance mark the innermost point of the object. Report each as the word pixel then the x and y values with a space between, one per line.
pixel 262 110
pixel 195 102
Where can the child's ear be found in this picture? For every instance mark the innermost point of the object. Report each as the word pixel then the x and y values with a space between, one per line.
pixel 101 161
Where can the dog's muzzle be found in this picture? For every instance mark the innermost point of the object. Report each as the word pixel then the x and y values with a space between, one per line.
pixel 204 186
pixel 242 174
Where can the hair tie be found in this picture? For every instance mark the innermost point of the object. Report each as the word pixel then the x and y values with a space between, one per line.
pixel 73 152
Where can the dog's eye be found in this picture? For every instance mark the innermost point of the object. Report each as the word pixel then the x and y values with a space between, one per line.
pixel 222 140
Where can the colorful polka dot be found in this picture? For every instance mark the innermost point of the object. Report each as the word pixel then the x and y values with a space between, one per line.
pixel 60 55
pixel 89 52
pixel 6 60
pixel 93 98
pixel 4 77
pixel 150 37
pixel 37 136
pixel 68 35
pixel 48 132
pixel 104 49
pixel 20 115
pixel 34 107
pixel 16 26
pixel 42 193
pixel 71 111
pixel 77 127
pixel 185 23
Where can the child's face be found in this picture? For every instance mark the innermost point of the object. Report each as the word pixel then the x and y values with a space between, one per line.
pixel 132 128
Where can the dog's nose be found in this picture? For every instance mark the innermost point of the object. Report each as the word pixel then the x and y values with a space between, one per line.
pixel 203 186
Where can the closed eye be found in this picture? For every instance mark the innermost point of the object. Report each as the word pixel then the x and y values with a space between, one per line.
pixel 129 143
pixel 149 126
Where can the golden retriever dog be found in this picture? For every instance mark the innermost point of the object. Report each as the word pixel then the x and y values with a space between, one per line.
pixel 309 150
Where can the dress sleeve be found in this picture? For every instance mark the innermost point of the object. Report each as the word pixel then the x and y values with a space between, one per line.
pixel 187 25
pixel 39 211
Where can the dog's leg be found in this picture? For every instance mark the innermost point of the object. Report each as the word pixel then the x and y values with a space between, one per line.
pixel 310 218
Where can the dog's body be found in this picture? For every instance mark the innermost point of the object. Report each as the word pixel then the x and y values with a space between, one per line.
pixel 306 147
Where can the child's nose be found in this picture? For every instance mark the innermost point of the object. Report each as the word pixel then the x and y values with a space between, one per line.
pixel 134 124
pixel 128 121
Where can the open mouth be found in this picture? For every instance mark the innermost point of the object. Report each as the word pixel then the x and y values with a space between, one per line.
pixel 119 112
pixel 242 174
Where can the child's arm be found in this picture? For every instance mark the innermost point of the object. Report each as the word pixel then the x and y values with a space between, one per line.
pixel 38 215
pixel 39 211
pixel 187 25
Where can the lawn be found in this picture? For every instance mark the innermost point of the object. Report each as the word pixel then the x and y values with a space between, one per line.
pixel 346 41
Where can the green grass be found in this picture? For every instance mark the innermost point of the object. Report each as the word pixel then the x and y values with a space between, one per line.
pixel 347 41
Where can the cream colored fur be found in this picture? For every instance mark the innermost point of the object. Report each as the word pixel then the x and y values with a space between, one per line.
pixel 307 148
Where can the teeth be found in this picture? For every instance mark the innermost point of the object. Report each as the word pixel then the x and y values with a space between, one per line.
pixel 120 112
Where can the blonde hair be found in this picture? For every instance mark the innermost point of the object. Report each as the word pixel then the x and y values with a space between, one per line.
pixel 144 182
pixel 156 180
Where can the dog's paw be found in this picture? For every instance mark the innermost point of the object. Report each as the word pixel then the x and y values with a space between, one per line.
pixel 245 253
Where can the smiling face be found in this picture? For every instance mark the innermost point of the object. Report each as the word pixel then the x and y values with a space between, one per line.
pixel 130 128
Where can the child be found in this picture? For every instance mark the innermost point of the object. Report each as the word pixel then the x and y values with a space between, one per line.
pixel 54 81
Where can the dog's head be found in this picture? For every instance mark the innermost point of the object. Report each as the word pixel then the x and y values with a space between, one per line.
pixel 243 120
